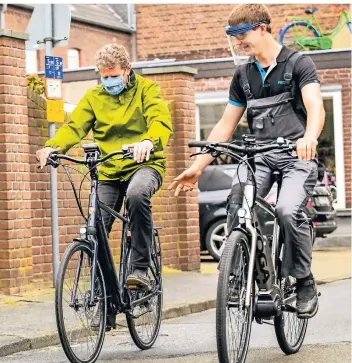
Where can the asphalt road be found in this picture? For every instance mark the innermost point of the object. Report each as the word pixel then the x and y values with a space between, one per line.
pixel 191 339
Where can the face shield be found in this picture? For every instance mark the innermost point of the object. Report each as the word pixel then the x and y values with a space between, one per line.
pixel 235 34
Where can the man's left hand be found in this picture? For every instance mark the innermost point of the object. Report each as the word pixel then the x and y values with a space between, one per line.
pixel 141 150
pixel 306 148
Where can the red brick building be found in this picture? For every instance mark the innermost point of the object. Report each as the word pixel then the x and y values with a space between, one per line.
pixel 182 47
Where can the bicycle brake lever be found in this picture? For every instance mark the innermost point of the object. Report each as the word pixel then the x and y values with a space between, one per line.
pixel 207 151
pixel 127 155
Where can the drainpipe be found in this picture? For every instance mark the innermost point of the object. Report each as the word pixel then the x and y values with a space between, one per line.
pixel 3 9
pixel 132 24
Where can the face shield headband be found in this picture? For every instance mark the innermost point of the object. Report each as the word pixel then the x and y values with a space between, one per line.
pixel 238 32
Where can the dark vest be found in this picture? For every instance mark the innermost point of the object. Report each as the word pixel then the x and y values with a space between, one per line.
pixel 273 117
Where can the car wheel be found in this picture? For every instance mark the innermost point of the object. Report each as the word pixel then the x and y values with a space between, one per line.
pixel 215 238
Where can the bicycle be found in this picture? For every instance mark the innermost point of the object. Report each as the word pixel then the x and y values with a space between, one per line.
pixel 307 34
pixel 250 258
pixel 87 285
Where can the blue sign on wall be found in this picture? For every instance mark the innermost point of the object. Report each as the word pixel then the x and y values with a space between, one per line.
pixel 49 67
pixel 53 67
pixel 58 64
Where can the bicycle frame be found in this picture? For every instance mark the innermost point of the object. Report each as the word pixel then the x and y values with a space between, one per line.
pixel 96 237
pixel 263 259
pixel 344 19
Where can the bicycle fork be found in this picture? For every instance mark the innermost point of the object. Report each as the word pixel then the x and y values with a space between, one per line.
pixel 244 215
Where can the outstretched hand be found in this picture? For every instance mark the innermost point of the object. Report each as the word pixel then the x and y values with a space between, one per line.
pixel 185 181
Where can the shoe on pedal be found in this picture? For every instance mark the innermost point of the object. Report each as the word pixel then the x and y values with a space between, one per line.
pixel 139 279
pixel 307 299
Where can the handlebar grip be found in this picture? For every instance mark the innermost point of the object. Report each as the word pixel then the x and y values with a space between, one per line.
pixel 195 143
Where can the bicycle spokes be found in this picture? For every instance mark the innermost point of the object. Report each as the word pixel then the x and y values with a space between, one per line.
pixel 81 318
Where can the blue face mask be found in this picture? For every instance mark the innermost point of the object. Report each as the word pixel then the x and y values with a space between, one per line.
pixel 113 85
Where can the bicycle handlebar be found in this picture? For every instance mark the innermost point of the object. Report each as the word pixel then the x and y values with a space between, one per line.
pixel 55 156
pixel 245 149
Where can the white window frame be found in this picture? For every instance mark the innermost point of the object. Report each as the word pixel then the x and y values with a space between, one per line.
pixel 334 92
pixel 328 91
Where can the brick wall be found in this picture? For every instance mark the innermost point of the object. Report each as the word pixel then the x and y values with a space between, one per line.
pixel 86 38
pixel 197 31
pixel 15 194
pixel 178 216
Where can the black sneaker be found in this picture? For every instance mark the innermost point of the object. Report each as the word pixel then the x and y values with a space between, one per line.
pixel 139 279
pixel 307 299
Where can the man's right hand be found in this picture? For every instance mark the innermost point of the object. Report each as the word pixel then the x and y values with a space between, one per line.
pixel 43 154
pixel 185 181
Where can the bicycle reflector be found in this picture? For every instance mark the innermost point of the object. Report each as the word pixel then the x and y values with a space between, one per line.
pixel 241 216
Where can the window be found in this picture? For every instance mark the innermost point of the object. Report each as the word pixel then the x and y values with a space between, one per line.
pixel 209 112
pixel 330 147
pixel 31 61
pixel 73 60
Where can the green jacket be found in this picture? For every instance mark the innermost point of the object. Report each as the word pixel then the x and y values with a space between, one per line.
pixel 137 114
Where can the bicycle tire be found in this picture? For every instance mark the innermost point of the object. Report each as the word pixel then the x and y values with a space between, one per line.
pixel 236 245
pixel 279 321
pixel 282 336
pixel 132 322
pixel 59 312
pixel 302 23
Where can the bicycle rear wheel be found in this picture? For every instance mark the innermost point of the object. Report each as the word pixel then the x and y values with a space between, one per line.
pixel 290 331
pixel 74 313
pixel 292 33
pixel 144 319
pixel 233 319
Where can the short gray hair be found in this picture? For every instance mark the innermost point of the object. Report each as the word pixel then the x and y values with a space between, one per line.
pixel 111 55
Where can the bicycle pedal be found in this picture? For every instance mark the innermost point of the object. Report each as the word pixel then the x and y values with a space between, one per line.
pixel 132 287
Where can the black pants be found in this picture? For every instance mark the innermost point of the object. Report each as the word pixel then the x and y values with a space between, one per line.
pixel 298 180
pixel 139 190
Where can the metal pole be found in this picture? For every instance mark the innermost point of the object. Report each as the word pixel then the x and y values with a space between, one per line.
pixel 2 17
pixel 132 24
pixel 53 174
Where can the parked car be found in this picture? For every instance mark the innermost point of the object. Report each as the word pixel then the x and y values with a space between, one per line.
pixel 214 187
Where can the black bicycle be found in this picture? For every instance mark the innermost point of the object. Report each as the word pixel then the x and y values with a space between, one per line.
pixel 87 286
pixel 250 258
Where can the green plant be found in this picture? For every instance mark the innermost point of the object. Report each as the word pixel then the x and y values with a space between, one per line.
pixel 36 83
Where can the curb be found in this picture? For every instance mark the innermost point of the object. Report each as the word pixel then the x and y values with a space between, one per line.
pixel 25 344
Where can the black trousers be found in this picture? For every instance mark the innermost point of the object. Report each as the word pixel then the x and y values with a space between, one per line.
pixel 138 190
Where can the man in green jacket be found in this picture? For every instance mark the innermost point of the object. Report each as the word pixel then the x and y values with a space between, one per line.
pixel 125 109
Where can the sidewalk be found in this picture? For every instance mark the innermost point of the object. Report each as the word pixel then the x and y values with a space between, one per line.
pixel 28 321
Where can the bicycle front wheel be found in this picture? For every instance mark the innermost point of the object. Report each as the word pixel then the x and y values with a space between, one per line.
pixel 144 319
pixel 81 325
pixel 233 319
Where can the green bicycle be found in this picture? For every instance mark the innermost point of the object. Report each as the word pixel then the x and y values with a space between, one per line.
pixel 307 34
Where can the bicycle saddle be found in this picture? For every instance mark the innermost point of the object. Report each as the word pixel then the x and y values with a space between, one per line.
pixel 311 11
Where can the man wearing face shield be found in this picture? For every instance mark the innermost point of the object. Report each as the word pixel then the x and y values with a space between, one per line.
pixel 125 109
pixel 280 90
